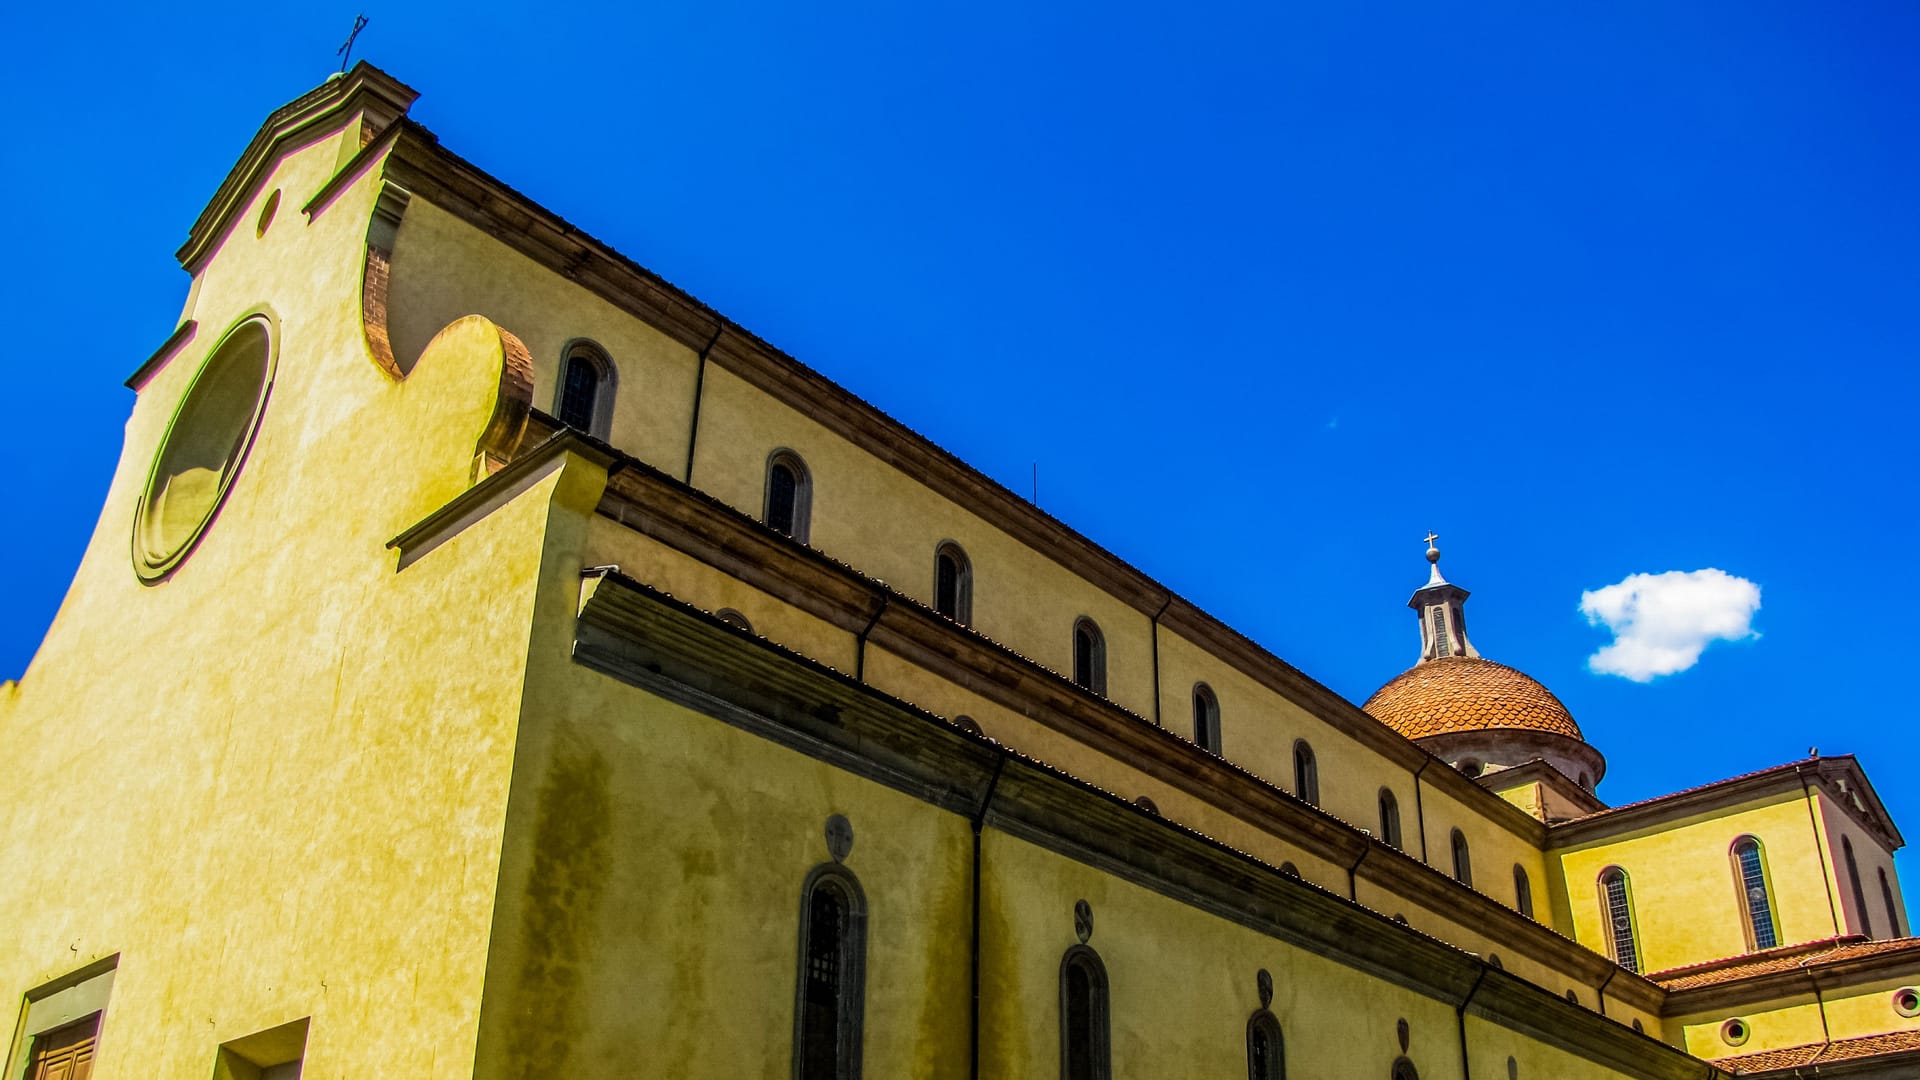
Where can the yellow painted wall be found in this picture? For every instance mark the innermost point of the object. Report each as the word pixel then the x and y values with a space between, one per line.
pixel 235 778
pixel 1685 893
pixel 1182 984
pixel 1796 1019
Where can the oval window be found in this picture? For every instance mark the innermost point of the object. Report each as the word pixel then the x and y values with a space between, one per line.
pixel 203 447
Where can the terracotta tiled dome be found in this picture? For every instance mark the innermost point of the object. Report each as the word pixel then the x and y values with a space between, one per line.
pixel 1464 693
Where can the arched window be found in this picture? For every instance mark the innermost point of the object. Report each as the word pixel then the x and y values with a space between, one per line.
pixel 1403 1070
pixel 789 494
pixel 1389 817
pixel 1616 904
pixel 1893 910
pixel 733 618
pixel 1206 718
pixel 953 583
pixel 1089 656
pixel 1266 1052
pixel 1462 859
pixel 1859 894
pixel 1522 891
pixel 832 981
pixel 1750 869
pixel 1083 1016
pixel 1306 773
pixel 585 398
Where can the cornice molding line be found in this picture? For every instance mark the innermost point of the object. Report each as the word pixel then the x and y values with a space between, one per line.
pixel 382 98
pixel 422 165
pixel 660 645
pixel 666 508
pixel 1796 981
pixel 1828 772
pixel 180 336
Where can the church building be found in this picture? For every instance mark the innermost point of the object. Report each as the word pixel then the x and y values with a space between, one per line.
pixel 492 662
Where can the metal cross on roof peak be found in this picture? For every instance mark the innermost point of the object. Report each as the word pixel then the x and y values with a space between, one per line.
pixel 1431 537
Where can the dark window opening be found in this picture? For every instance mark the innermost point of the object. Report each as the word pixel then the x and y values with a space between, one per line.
pixel 953 583
pixel 1462 859
pixel 1389 818
pixel 1859 894
pixel 827 1020
pixel 1523 891
pixel 1084 1051
pixel 1089 656
pixel 789 495
pixel 1266 1051
pixel 1206 718
pixel 1893 909
pixel 1306 773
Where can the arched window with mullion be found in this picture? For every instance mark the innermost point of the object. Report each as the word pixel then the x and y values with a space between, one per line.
pixel 1756 899
pixel 1084 1033
pixel 1616 906
pixel 789 505
pixel 1266 1050
pixel 953 583
pixel 584 400
pixel 1206 717
pixel 830 996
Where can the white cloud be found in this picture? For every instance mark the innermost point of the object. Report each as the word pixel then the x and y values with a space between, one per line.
pixel 1662 622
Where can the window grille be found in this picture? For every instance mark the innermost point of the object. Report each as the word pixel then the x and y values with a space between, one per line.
pixel 1753 893
pixel 1442 645
pixel 1619 912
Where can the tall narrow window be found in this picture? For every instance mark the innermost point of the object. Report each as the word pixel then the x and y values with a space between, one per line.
pixel 1266 1052
pixel 1750 866
pixel 1859 894
pixel 1616 903
pixel 1893 910
pixel 1522 891
pixel 1442 642
pixel 1206 717
pixel 1389 817
pixel 1083 1016
pixel 1089 656
pixel 789 494
pixel 1306 773
pixel 832 978
pixel 586 389
pixel 1462 859
pixel 953 583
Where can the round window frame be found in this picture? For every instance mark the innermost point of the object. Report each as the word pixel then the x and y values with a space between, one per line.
pixel 1899 997
pixel 153 571
pixel 1736 1032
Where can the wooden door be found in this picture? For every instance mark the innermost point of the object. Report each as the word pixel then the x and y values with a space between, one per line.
pixel 64 1053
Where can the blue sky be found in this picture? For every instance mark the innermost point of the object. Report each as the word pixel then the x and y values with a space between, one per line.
pixel 1265 292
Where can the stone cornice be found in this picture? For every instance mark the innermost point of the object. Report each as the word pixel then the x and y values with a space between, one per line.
pixel 649 640
pixel 1830 774
pixel 366 88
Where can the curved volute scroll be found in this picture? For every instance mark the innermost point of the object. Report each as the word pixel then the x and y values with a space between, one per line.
pixel 382 230
pixel 472 359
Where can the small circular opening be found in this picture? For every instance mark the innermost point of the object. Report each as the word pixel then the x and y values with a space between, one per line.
pixel 266 213
pixel 1735 1031
pixel 1146 804
pixel 1906 1001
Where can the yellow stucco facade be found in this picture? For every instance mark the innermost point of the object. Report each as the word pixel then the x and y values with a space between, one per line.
pixel 432 755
